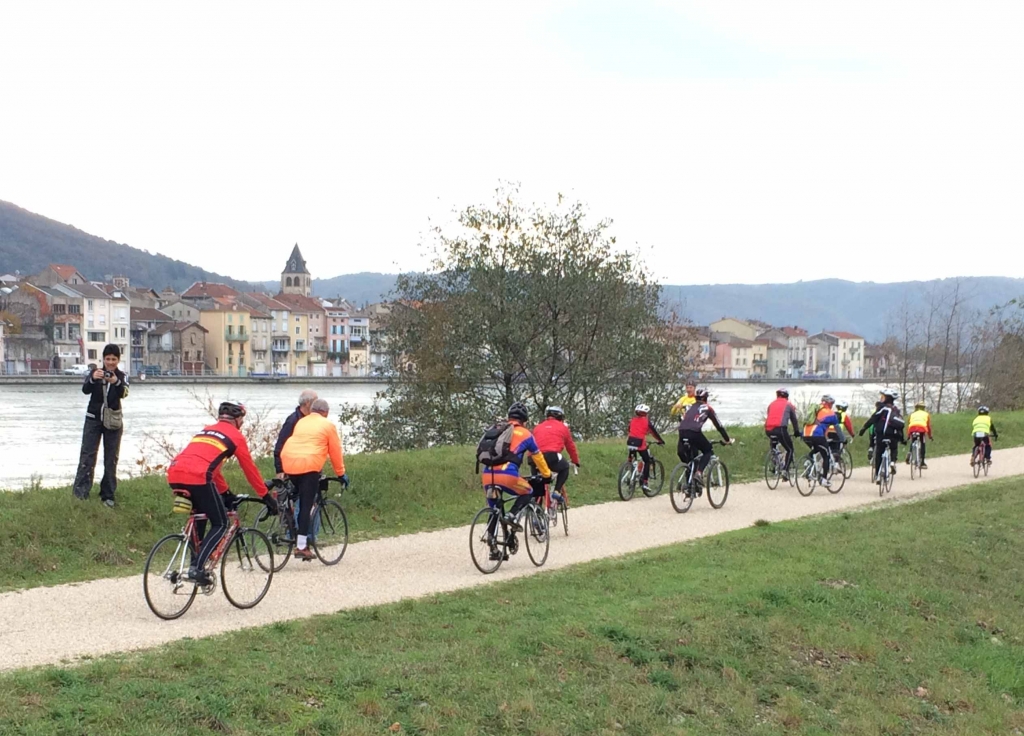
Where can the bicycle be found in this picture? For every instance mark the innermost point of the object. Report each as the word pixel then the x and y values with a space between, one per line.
pixel 558 506
pixel 978 461
pixel 813 469
pixel 885 476
pixel 845 457
pixel 492 535
pixel 632 471
pixel 684 486
pixel 328 524
pixel 246 567
pixel 775 465
pixel 914 456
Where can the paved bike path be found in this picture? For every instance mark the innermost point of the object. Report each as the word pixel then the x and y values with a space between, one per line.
pixel 64 623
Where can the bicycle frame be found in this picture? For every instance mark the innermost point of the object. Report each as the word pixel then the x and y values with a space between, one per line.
pixel 638 463
pixel 190 533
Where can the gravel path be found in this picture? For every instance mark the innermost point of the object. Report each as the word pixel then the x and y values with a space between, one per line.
pixel 67 622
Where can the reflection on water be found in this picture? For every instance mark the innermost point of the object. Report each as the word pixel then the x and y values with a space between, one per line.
pixel 41 426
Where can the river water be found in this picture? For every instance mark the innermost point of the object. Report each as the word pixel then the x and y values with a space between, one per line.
pixel 41 426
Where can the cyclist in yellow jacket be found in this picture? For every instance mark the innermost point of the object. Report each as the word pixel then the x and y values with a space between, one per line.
pixel 919 425
pixel 685 400
pixel 982 428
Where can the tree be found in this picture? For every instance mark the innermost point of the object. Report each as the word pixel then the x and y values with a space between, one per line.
pixel 523 303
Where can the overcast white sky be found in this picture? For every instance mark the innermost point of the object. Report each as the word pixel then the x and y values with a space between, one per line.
pixel 732 142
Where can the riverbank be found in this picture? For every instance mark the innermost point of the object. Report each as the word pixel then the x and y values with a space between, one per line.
pixel 138 381
pixel 57 539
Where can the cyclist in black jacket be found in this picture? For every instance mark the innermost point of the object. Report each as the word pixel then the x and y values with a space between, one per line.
pixel 105 387
pixel 691 428
pixel 886 424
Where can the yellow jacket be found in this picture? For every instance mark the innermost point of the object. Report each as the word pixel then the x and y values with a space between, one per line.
pixel 680 406
pixel 982 423
pixel 314 439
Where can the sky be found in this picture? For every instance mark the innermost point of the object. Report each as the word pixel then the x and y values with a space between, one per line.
pixel 729 142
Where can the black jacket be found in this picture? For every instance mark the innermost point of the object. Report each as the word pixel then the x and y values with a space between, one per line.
pixel 286 431
pixel 95 390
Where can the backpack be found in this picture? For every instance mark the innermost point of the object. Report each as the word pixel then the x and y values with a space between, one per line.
pixel 812 415
pixel 494 447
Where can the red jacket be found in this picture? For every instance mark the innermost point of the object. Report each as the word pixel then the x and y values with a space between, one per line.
pixel 553 435
pixel 199 463
pixel 639 428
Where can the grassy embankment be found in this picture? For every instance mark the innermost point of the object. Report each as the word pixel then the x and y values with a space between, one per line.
pixel 909 620
pixel 55 539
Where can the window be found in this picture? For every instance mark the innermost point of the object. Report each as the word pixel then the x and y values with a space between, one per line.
pixel 58 332
pixel 74 309
pixel 92 355
pixel 91 307
pixel 229 320
pixel 103 320
pixel 58 308
pixel 187 357
pixel 296 330
pixel 199 356
pixel 296 319
pixel 97 337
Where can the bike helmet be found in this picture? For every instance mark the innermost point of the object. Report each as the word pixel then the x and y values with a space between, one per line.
pixel 233 409
pixel 701 394
pixel 642 409
pixel 518 411
pixel 556 412
pixel 890 393
pixel 782 393
pixel 983 410
pixel 827 399
pixel 842 407
pixel 919 405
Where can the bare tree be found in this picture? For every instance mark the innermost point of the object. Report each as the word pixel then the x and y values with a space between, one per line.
pixel 951 306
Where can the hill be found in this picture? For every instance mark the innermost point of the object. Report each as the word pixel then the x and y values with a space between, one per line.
pixel 358 288
pixel 28 242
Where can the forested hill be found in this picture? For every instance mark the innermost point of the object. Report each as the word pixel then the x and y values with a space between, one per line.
pixel 28 242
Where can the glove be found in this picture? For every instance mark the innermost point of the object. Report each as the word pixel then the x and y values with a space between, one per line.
pixel 271 502
pixel 344 480
pixel 660 443
pixel 576 464
pixel 230 500
pixel 860 433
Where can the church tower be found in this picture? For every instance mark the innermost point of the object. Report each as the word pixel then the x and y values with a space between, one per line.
pixel 295 278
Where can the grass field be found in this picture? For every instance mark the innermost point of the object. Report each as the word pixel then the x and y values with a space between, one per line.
pixel 901 621
pixel 55 539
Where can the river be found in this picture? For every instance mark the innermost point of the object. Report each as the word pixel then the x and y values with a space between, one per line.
pixel 41 425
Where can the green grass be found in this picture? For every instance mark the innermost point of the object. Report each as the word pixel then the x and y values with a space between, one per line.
pixel 56 539
pixel 901 621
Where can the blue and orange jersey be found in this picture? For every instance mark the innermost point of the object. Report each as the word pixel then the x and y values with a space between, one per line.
pixel 523 444
pixel 826 423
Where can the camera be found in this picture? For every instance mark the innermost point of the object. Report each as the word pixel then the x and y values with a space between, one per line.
pixel 108 374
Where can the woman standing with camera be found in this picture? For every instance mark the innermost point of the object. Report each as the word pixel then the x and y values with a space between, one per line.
pixel 105 387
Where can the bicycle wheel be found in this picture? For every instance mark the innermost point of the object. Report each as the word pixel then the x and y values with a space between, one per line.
pixel 163 579
pixel 656 480
pixel 535 531
pixel 626 483
pixel 847 462
pixel 977 460
pixel 915 470
pixel 276 530
pixel 678 493
pixel 772 471
pixel 331 538
pixel 986 465
pixel 247 568
pixel 807 478
pixel 483 547
pixel 563 506
pixel 716 483
pixel 837 478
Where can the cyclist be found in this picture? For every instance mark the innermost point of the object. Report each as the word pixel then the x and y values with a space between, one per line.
pixel 871 434
pixel 843 413
pixel 780 413
pixel 314 439
pixel 983 427
pixel 685 400
pixel 691 427
pixel 195 473
pixel 639 427
pixel 306 399
pixel 552 437
pixel 506 476
pixel 920 424
pixel 887 424
pixel 824 436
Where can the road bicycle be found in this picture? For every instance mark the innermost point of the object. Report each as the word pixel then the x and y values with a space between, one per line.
pixel 556 503
pixel 684 485
pixel 978 462
pixel 631 473
pixel 885 475
pixel 844 456
pixel 246 559
pixel 812 470
pixel 492 535
pixel 914 455
pixel 328 525
pixel 775 465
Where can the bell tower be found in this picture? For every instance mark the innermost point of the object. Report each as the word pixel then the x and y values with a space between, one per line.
pixel 295 278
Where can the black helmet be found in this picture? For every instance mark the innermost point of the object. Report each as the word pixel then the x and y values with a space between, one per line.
pixel 233 409
pixel 518 411
pixel 701 394
pixel 782 393
pixel 983 410
pixel 556 412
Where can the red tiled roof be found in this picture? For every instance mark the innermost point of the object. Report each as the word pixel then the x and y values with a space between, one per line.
pixel 148 314
pixel 205 289
pixel 63 270
pixel 266 300
pixel 845 335
pixel 175 327
pixel 795 331
pixel 300 302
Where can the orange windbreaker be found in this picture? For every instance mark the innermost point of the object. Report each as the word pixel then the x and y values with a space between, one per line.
pixel 314 439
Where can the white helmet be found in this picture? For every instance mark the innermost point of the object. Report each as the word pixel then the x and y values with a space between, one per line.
pixel 642 409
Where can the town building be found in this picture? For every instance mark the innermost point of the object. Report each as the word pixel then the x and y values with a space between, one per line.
pixel 178 348
pixel 143 321
pixel 295 278
pixel 737 327
pixel 733 356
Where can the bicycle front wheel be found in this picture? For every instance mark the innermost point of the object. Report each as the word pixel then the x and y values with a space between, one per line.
pixel 276 529
pixel 487 549
pixel 678 493
pixel 626 481
pixel 656 481
pixel 716 482
pixel 331 538
pixel 535 531
pixel 985 466
pixel 807 478
pixel 564 508
pixel 167 593
pixel 979 460
pixel 838 477
pixel 847 463
pixel 772 471
pixel 247 568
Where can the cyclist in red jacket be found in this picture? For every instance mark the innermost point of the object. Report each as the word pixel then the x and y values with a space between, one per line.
pixel 639 427
pixel 780 413
pixel 552 437
pixel 195 473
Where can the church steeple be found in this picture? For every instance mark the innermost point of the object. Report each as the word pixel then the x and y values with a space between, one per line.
pixel 295 279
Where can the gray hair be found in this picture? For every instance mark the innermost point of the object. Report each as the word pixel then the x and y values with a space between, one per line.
pixel 307 397
pixel 321 406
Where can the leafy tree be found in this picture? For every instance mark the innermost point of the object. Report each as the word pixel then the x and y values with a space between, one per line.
pixel 523 303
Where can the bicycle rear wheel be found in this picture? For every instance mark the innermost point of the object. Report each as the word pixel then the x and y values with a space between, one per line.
pixel 985 465
pixel 535 532
pixel 167 593
pixel 772 471
pixel 914 469
pixel 247 568
pixel 716 483
pixel 563 506
pixel 806 478
pixel 847 462
pixel 484 547
pixel 626 482
pixel 276 528
pixel 978 459
pixel 678 493
pixel 656 480
pixel 331 538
